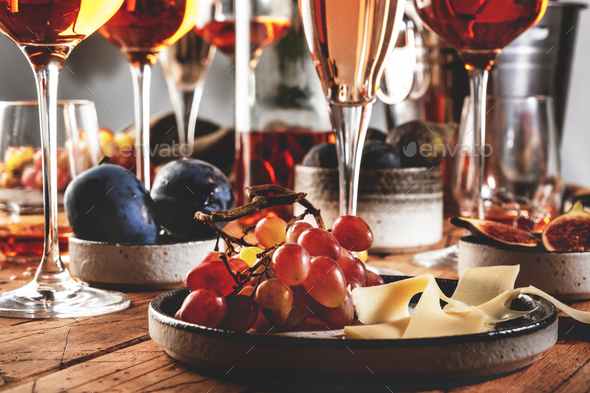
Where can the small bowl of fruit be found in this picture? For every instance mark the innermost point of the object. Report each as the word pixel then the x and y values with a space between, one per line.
pixel 400 186
pixel 125 236
pixel 556 261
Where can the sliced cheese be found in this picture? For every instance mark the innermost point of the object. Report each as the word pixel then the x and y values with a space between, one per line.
pixel 429 319
pixel 481 284
pixel 582 316
pixel 386 303
pixel 387 307
pixel 387 330
pixel 498 309
pixel 482 298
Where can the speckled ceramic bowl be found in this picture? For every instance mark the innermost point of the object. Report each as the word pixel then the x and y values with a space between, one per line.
pixel 323 361
pixel 403 206
pixel 564 275
pixel 132 266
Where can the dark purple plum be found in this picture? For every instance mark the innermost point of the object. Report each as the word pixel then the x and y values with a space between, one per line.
pixel 322 156
pixel 109 204
pixel 183 187
pixel 379 155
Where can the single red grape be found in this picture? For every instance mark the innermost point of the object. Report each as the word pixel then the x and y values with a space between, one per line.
pixel 325 282
pixel 352 266
pixel 290 263
pixel 300 310
pixel 238 264
pixel 211 256
pixel 206 307
pixel 374 279
pixel 275 301
pixel 211 275
pixel 353 233
pixel 335 317
pixel 319 242
pixel 353 282
pixel 242 313
pixel 295 230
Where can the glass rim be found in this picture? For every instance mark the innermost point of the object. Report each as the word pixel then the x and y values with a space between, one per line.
pixel 76 102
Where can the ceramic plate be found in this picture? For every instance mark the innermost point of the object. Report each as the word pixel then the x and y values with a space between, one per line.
pixel 322 360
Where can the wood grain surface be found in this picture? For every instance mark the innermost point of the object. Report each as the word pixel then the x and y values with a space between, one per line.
pixel 114 353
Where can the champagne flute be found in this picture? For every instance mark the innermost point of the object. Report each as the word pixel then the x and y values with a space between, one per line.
pixel 47 31
pixel 478 30
pixel 350 43
pixel 185 65
pixel 141 29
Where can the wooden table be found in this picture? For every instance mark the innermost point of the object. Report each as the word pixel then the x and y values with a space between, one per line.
pixel 114 352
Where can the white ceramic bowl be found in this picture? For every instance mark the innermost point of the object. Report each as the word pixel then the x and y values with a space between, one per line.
pixel 136 267
pixel 565 276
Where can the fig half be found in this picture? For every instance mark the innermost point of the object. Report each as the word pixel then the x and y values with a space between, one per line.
pixel 569 232
pixel 496 231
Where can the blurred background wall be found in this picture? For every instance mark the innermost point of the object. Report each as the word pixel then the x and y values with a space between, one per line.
pixel 97 71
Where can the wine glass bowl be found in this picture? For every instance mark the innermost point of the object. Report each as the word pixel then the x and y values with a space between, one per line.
pixel 479 30
pixel 142 28
pixel 49 23
pixel 269 22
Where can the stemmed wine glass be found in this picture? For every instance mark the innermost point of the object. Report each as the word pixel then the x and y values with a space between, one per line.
pixel 350 43
pixel 269 22
pixel 47 31
pixel 478 30
pixel 141 29
pixel 185 65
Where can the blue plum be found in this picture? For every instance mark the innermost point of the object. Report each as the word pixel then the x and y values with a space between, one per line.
pixel 322 156
pixel 379 155
pixel 183 187
pixel 109 204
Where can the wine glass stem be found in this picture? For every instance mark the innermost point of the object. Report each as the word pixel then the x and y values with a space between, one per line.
pixel 478 81
pixel 193 112
pixel 142 74
pixel 47 75
pixel 350 125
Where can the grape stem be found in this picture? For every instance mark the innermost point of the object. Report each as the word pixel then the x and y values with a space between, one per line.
pixel 260 197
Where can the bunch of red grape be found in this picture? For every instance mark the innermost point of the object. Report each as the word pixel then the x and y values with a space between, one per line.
pixel 303 273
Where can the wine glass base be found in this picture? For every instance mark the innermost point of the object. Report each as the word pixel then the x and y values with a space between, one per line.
pixel 445 258
pixel 33 301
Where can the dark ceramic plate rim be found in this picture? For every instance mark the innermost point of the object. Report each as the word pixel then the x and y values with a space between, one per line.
pixel 527 328
pixel 529 250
